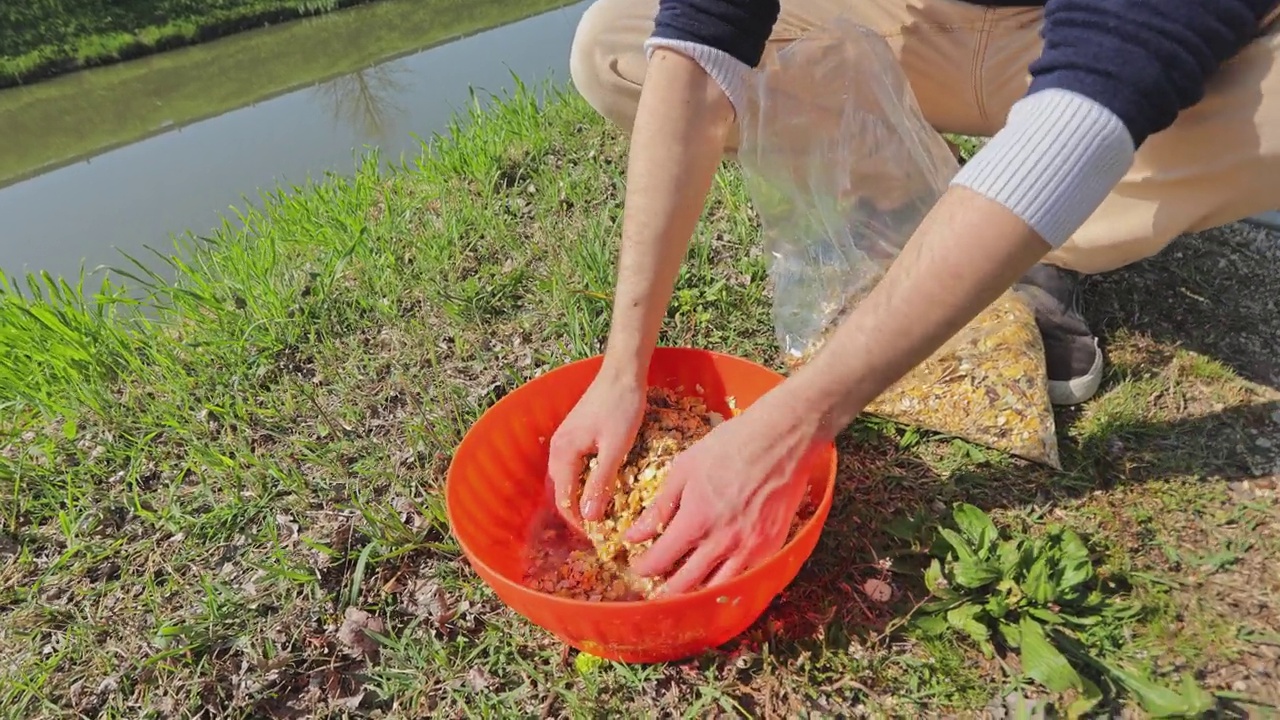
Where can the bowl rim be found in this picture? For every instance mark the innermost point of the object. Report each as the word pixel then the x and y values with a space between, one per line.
pixel 820 512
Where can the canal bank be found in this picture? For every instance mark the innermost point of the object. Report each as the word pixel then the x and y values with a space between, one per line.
pixel 133 155
pixel 39 40
pixel 82 115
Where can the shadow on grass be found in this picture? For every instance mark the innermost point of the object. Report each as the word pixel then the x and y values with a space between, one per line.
pixel 884 493
pixel 1214 293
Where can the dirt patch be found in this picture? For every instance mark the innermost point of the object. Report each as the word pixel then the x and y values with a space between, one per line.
pixel 1216 293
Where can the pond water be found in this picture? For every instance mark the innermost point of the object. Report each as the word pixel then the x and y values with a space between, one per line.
pixel 135 155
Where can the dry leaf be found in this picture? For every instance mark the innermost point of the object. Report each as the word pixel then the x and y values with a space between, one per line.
pixel 354 633
pixel 877 590
pixel 408 511
pixel 333 531
pixel 426 599
pixel 86 700
pixel 479 680
pixel 288 529
pixel 351 702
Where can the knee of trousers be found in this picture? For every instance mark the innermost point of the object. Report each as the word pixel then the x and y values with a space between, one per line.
pixel 1119 234
pixel 593 64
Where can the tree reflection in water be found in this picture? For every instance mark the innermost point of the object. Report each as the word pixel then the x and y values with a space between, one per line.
pixel 365 99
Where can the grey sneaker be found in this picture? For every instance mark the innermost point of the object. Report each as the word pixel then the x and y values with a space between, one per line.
pixel 1073 357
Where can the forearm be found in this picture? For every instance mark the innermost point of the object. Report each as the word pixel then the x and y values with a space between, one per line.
pixel 1024 194
pixel 678 138
pixel 966 253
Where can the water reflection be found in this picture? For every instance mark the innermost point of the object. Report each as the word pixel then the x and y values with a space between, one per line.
pixel 366 100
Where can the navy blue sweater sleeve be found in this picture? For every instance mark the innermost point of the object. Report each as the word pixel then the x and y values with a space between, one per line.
pixel 739 28
pixel 1144 60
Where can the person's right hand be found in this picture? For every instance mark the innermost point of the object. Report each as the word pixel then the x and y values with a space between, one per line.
pixel 604 422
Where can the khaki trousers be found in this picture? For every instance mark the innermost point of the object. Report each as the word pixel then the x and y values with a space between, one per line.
pixel 967 65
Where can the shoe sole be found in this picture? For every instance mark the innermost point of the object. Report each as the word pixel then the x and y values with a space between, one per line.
pixel 1078 390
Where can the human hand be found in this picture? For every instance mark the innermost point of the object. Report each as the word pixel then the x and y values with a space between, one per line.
pixel 729 498
pixel 605 422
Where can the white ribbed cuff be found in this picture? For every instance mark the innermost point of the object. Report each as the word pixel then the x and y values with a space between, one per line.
pixel 727 71
pixel 1056 159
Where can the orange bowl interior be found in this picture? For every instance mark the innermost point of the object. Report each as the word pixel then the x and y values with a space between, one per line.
pixel 496 494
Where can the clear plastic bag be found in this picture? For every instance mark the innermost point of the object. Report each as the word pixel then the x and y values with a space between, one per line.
pixel 842 167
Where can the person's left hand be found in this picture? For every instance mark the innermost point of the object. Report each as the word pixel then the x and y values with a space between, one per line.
pixel 730 497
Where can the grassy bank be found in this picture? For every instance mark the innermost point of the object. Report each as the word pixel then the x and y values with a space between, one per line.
pixel 199 510
pixel 91 113
pixel 41 39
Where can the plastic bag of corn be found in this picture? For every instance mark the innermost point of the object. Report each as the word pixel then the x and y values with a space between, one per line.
pixel 842 167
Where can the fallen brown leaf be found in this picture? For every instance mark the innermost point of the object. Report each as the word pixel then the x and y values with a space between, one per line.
pixel 479 679
pixel 354 633
pixel 427 600
pixel 877 590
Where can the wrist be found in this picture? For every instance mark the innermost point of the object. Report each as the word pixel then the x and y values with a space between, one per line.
pixel 831 395
pixel 625 365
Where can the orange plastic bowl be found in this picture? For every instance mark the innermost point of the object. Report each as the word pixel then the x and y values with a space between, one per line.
pixel 496 491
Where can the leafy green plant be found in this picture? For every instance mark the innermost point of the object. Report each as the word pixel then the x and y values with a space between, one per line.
pixel 1040 597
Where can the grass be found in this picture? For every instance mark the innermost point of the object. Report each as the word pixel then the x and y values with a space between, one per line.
pixel 231 507
pixel 47 37
pixel 346 54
